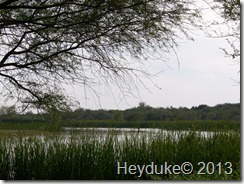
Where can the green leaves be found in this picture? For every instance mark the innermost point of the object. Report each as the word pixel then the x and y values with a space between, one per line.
pixel 58 42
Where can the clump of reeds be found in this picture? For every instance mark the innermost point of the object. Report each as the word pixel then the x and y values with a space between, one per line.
pixel 95 158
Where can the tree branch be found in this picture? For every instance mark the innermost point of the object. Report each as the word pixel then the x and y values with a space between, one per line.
pixel 13 80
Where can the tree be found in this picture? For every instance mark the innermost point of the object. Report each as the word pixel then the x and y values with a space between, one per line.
pixel 45 44
pixel 229 10
pixel 7 113
pixel 143 106
pixel 8 110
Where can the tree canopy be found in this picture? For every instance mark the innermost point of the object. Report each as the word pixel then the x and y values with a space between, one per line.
pixel 221 112
pixel 47 43
pixel 230 11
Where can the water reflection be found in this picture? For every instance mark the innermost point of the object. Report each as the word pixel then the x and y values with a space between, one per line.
pixel 126 133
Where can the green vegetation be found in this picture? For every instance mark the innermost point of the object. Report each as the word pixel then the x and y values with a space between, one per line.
pixel 203 117
pixel 93 158
pixel 225 112
pixel 57 42
pixel 200 125
pixel 37 143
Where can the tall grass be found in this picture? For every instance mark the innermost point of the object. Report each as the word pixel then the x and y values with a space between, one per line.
pixel 202 125
pixel 205 125
pixel 95 158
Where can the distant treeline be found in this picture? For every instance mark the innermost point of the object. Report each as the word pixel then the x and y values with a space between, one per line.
pixel 226 112
pixel 146 113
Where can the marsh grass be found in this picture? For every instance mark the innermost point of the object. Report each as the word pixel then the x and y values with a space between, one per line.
pixel 94 158
pixel 201 125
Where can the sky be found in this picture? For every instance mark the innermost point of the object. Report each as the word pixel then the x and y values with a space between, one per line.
pixel 199 74
pixel 203 75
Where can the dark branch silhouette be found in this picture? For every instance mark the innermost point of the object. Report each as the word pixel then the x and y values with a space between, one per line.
pixel 45 44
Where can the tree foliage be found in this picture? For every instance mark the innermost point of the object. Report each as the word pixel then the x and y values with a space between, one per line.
pixel 45 44
pixel 230 11
pixel 222 112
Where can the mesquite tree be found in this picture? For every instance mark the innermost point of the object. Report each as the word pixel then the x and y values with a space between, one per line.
pixel 230 13
pixel 47 43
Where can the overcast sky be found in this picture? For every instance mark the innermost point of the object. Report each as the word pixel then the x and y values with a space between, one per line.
pixel 203 76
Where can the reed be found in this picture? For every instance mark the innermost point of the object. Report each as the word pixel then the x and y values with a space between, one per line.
pixel 201 125
pixel 95 157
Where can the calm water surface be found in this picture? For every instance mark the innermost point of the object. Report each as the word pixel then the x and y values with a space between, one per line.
pixel 122 133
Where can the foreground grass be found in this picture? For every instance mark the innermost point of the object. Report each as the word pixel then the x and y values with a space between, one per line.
pixel 95 158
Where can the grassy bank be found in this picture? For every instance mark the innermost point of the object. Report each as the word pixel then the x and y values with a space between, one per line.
pixel 26 126
pixel 201 125
pixel 88 157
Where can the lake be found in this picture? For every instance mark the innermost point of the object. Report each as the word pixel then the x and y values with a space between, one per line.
pixel 122 133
